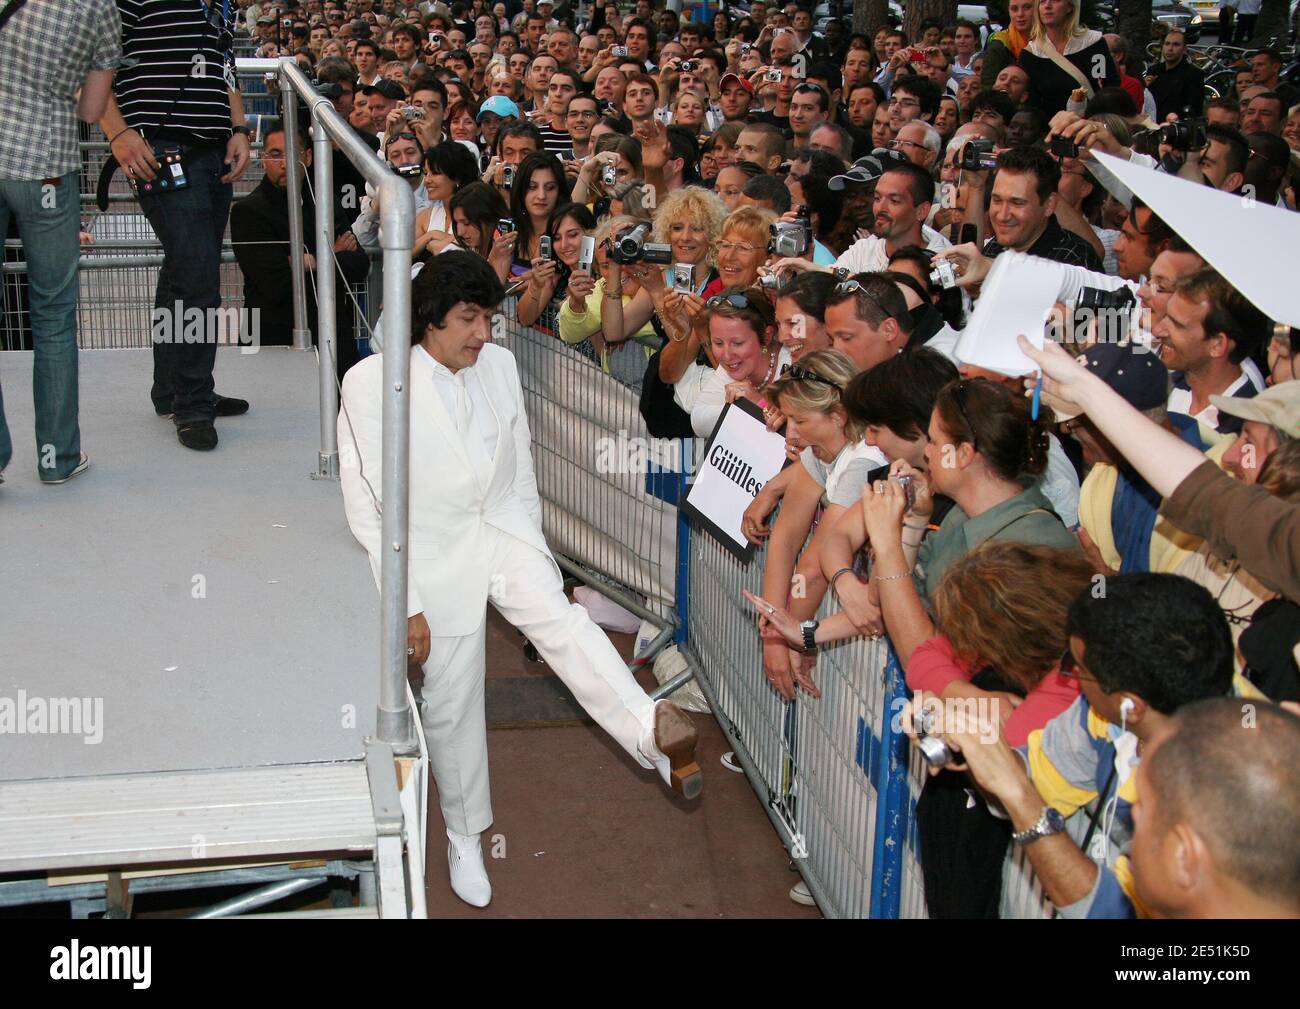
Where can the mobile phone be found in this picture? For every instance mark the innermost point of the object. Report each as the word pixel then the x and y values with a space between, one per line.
pixel 745 48
pixel 586 254
pixel 505 226
pixel 917 56
pixel 544 247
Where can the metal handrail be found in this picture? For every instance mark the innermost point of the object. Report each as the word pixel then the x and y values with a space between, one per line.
pixel 397 217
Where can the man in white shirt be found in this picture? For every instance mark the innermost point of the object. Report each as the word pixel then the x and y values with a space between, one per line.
pixel 901 203
pixel 476 537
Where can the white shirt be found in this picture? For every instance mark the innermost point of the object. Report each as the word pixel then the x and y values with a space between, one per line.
pixel 868 255
pixel 482 448
pixel 713 395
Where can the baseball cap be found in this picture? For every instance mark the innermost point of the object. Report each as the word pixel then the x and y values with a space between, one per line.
pixel 389 89
pixel 266 19
pixel 867 169
pixel 498 105
pixel 728 79
pixel 1277 406
pixel 1131 370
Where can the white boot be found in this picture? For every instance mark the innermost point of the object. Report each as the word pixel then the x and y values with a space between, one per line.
pixel 469 880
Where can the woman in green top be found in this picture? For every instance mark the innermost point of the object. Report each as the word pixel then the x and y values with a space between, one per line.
pixel 984 452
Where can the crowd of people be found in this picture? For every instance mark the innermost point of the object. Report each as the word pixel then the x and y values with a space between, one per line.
pixel 744 207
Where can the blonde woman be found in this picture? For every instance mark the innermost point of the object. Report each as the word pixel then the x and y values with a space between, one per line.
pixel 1064 59
pixel 834 471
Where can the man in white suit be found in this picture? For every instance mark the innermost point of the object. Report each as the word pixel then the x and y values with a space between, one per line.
pixel 476 536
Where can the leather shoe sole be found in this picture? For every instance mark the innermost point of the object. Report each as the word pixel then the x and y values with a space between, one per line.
pixel 675 736
pixel 199 435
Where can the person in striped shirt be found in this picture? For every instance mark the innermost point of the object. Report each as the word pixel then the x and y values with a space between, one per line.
pixel 180 93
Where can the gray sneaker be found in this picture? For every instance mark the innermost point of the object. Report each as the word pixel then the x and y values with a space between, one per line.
pixel 82 466
pixel 800 895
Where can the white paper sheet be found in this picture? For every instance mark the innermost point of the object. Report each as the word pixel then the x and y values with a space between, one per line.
pixel 1016 298
pixel 1253 245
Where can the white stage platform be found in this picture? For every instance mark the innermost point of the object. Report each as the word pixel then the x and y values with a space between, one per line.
pixel 215 604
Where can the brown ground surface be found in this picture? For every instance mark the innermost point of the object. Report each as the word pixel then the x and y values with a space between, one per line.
pixel 588 833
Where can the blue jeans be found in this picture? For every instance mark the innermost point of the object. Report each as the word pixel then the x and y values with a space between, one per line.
pixel 190 224
pixel 49 220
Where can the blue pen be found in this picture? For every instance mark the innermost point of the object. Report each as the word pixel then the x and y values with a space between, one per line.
pixel 1038 395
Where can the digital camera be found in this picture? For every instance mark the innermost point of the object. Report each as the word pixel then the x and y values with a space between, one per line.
pixel 609 175
pixel 933 749
pixel 410 112
pixel 942 274
pixel 773 76
pixel 619 52
pixel 630 246
pixel 688 66
pixel 1185 135
pixel 507 176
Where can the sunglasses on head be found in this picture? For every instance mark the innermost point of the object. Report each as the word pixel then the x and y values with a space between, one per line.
pixel 734 300
pixel 799 374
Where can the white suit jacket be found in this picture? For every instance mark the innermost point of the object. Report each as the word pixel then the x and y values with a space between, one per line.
pixel 450 504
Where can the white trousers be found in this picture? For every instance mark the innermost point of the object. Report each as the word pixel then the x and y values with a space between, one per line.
pixel 527 590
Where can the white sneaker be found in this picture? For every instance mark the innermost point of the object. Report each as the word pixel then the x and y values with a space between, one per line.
pixel 800 894
pixel 469 880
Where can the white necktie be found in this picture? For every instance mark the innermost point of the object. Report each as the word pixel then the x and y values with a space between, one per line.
pixel 464 408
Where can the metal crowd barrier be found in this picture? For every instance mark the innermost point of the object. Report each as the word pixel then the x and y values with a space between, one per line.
pixel 836 776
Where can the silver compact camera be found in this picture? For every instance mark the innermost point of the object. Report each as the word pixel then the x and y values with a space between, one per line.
pixel 684 278
pixel 609 176
pixel 943 275
pixel 619 52
pixel 773 76
pixel 933 749
pixel 769 281
pixel 905 481
pixel 507 176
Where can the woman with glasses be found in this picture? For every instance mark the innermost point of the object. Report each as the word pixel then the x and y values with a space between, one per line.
pixel 447 167
pixel 742 339
pixel 741 249
pixel 539 304
pixel 621 354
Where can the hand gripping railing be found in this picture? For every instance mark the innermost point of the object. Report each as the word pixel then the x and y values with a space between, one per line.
pixel 397 217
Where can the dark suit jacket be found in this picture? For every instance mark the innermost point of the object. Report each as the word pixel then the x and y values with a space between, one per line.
pixel 1177 89
pixel 259 232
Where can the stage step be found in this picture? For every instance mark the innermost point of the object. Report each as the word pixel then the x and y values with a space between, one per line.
pixel 185 816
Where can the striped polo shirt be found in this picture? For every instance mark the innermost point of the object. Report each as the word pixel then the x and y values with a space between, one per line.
pixel 180 87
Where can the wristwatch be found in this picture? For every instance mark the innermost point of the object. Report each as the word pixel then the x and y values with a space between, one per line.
pixel 809 628
pixel 1050 821
pixel 240 129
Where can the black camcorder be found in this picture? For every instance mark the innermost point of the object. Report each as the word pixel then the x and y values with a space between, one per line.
pixel 978 156
pixel 630 246
pixel 1185 134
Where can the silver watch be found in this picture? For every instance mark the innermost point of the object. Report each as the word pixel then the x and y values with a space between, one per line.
pixel 1050 821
